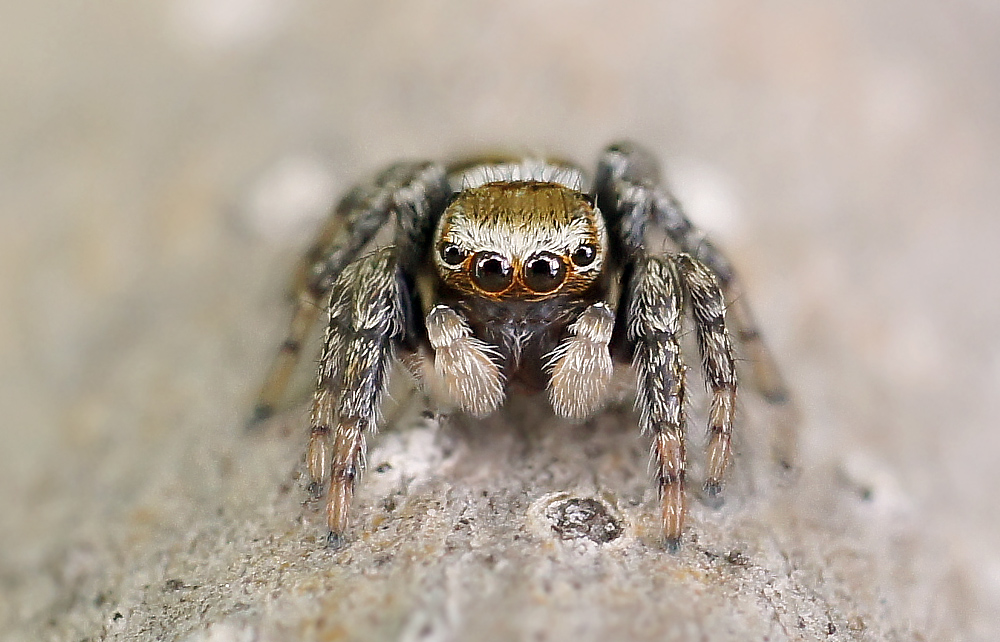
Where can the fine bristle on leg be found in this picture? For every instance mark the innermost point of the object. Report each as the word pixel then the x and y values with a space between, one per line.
pixel 720 426
pixel 709 311
pixel 416 188
pixel 348 454
pixel 366 317
pixel 318 459
pixel 668 455
pixel 653 326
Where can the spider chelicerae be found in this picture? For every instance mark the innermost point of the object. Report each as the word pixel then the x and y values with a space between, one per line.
pixel 518 274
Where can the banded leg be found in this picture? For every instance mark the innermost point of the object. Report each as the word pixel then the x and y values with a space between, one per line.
pixel 626 185
pixel 653 324
pixel 627 190
pixel 366 318
pixel 709 311
pixel 406 188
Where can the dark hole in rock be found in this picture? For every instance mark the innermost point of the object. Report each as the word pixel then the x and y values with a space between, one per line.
pixel 578 518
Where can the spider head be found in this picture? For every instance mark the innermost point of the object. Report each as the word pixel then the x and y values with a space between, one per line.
pixel 526 240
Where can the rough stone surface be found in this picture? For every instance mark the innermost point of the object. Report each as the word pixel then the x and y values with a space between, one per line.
pixel 160 161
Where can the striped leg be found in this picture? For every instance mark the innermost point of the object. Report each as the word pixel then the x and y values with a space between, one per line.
pixel 405 187
pixel 366 319
pixel 653 324
pixel 627 191
pixel 627 177
pixel 709 311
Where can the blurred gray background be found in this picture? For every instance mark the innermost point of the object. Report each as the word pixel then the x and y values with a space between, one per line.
pixel 162 164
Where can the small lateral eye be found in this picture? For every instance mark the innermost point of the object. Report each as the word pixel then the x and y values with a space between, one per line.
pixel 452 254
pixel 584 255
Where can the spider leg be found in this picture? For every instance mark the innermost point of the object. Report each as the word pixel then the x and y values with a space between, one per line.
pixel 627 177
pixel 335 232
pixel 404 187
pixel 627 190
pixel 653 324
pixel 367 317
pixel 709 311
pixel 372 312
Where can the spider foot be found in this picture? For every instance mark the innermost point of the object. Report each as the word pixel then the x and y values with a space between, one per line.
pixel 335 541
pixel 713 494
pixel 776 396
pixel 315 490
pixel 261 413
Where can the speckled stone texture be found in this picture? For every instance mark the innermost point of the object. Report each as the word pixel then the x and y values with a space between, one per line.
pixel 162 163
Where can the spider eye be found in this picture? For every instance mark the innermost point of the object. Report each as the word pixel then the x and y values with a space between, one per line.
pixel 544 272
pixel 452 254
pixel 584 255
pixel 492 272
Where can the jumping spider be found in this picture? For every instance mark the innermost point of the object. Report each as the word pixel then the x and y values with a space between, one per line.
pixel 517 274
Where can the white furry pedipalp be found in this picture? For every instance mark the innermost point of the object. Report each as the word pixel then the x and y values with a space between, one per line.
pixel 581 366
pixel 464 367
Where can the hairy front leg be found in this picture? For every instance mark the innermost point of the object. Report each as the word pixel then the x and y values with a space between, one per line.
pixel 627 186
pixel 366 318
pixel 653 327
pixel 627 181
pixel 414 189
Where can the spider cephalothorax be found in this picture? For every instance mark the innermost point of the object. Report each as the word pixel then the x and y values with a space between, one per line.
pixel 515 274
pixel 523 240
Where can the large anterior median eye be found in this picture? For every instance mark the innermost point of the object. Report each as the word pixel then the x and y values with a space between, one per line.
pixel 491 271
pixel 544 272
